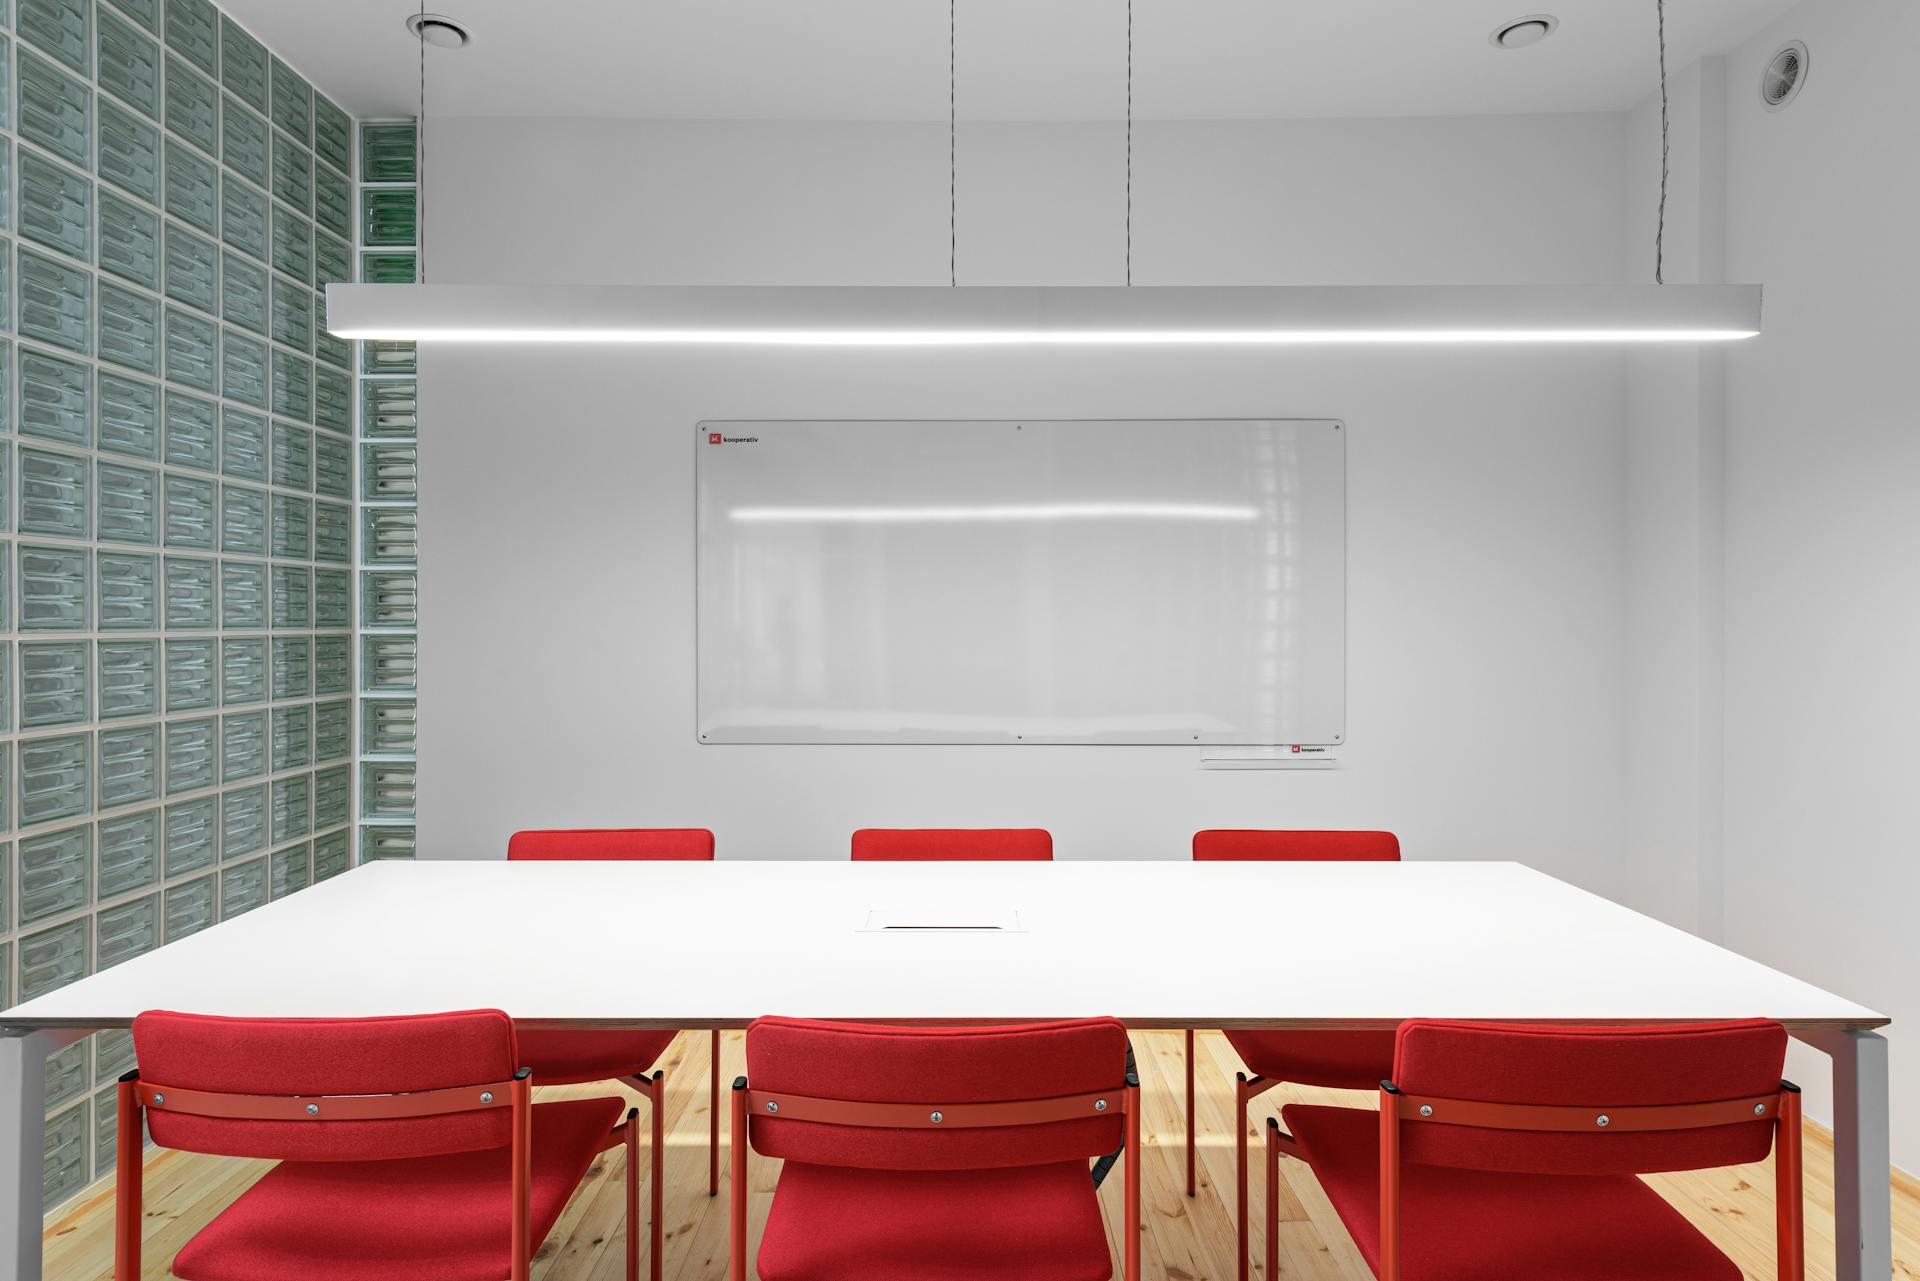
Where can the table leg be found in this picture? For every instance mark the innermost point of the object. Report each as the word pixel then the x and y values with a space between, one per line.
pixel 23 1143
pixel 1862 1154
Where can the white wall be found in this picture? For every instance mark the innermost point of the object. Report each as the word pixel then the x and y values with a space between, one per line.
pixel 1487 488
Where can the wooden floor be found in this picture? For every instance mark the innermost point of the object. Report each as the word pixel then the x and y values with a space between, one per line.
pixel 1185 1240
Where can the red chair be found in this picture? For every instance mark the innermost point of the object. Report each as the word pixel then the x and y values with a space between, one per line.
pixel 407 1147
pixel 953 845
pixel 575 1057
pixel 936 1153
pixel 1503 1153
pixel 1337 1060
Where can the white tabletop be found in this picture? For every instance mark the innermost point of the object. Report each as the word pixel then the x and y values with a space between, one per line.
pixel 1154 943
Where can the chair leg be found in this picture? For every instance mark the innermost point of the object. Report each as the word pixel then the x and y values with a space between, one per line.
pixel 1789 1192
pixel 1273 1199
pixel 127 1183
pixel 633 1193
pixel 658 1172
pixel 1240 1098
pixel 737 1195
pixel 713 1118
pixel 1190 1180
pixel 1132 1250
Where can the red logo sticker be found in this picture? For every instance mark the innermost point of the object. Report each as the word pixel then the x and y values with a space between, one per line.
pixel 713 438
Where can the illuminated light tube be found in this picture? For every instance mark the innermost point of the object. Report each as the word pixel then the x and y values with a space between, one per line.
pixel 995 512
pixel 1075 316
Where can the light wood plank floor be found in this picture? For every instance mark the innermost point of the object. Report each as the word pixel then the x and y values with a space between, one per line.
pixel 1186 1240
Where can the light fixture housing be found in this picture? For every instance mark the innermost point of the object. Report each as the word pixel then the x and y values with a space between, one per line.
pixel 1140 315
pixel 438 30
pixel 1524 33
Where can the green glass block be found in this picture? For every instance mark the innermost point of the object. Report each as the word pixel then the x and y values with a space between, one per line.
pixel 64 1160
pixel 292 314
pixel 243 65
pixel 193 755
pixel 56 398
pixel 243 223
pixel 243 595
pixel 193 32
pixel 292 675
pixel 56 206
pixel 243 521
pixel 129 152
pixel 129 765
pixel 389 535
pixel 66 1075
pixel 292 173
pixel 291 808
pixel 192 185
pixel 332 798
pixel 332 533
pixel 56 876
pixel 129 505
pixel 244 294
pixel 292 527
pixel 192 268
pixel 387 152
pixel 129 416
pixel 332 855
pixel 55 494
pixel 6 80
pixel 243 749
pixel 333 401
pixel 332 201
pixel 6 414
pixel 243 813
pixel 190 676
pixel 389 358
pixel 386 841
pixel 386 789
pixel 63 28
pixel 332 467
pixel 292 385
pixel 243 671
pixel 389 662
pixel 291 870
pixel 189 908
pixel 332 598
pixel 193 106
pixel 332 731
pixel 129 241
pixel 332 135
pixel 244 374
pixel 129 65
pixel 6 183
pixel 54 587
pixel 332 665
pixel 56 110
pixel 387 726
pixel 192 350
pixel 292 597
pixel 129 592
pixel 56 778
pixel 243 143
pixel 191 435
pixel 191 603
pixel 129 679
pixel 387 216
pixel 129 329
pixel 189 509
pixel 332 260
pixel 388 471
pixel 292 244
pixel 6 723
pixel 54 958
pixel 292 736
pixel 291 100
pixel 56 302
pixel 144 12
pixel 390 599
pixel 337 352
pixel 192 835
pixel 129 854
pixel 55 683
pixel 127 931
pixel 243 888
pixel 292 456
pixel 243 444
pixel 387 268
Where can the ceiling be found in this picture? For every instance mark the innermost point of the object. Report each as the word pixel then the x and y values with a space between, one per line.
pixel 1017 59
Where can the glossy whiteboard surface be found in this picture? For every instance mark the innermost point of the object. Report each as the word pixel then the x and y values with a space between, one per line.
pixel 1123 581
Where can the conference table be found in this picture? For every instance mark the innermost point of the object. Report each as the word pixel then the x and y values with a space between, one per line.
pixel 1169 944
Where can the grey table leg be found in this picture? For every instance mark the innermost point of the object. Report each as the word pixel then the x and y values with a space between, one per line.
pixel 1862 1154
pixel 23 1142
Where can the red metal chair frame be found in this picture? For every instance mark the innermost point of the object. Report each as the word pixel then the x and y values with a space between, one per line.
pixel 137 1096
pixel 922 1116
pixel 1398 1108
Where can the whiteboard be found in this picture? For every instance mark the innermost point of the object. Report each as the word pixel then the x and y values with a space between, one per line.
pixel 1119 581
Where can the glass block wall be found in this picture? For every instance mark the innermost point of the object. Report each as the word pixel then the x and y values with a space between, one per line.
pixel 176 501
pixel 387 503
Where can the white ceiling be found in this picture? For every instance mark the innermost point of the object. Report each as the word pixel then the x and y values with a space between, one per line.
pixel 1018 59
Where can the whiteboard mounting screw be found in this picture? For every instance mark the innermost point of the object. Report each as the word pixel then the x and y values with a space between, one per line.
pixel 486 1096
pixel 1426 1109
pixel 1603 1120
pixel 937 1118
pixel 1100 1105
pixel 313 1109
pixel 772 1106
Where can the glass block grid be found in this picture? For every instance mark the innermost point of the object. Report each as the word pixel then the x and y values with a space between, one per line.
pixel 177 640
pixel 386 490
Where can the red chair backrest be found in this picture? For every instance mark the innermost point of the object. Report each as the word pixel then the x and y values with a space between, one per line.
pixel 320 1057
pixel 1231 845
pixel 873 1063
pixel 1589 1067
pixel 611 844
pixel 953 844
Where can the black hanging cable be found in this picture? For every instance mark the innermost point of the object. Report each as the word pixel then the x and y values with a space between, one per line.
pixel 1660 229
pixel 953 183
pixel 1129 142
pixel 420 158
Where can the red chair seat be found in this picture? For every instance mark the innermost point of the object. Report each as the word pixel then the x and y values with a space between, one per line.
pixel 1027 1223
pixel 442 1218
pixel 1475 1225
pixel 575 1057
pixel 1335 1060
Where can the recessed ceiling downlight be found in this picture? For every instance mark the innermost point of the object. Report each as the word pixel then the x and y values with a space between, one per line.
pixel 438 30
pixel 1785 72
pixel 1522 32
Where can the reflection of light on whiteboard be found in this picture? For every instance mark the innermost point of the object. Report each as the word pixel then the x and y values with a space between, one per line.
pixel 1042 512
